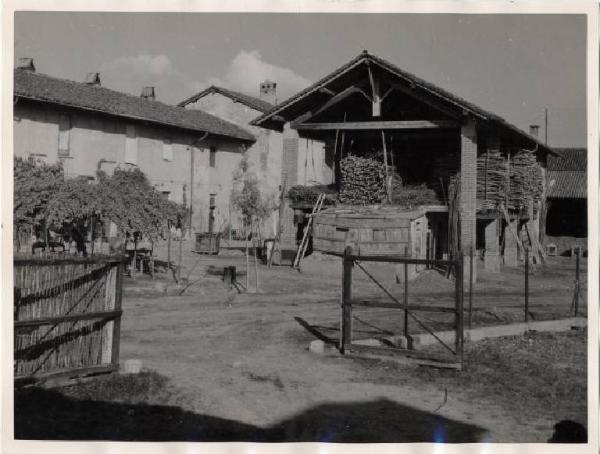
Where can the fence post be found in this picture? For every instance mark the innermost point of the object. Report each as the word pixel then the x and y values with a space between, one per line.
pixel 526 284
pixel 116 337
pixel 346 328
pixel 406 302
pixel 459 325
pixel 576 295
pixel 470 286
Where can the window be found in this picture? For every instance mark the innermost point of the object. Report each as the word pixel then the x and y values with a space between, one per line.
pixel 64 132
pixel 131 149
pixel 213 157
pixel 167 150
pixel 166 195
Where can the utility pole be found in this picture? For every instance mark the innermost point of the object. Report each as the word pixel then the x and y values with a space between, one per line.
pixel 546 126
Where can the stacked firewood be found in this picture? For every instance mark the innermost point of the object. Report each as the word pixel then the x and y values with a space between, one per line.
pixel 525 180
pixel 512 182
pixel 445 168
pixel 362 182
pixel 491 179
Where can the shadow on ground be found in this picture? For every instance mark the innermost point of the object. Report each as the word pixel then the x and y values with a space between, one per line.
pixel 42 414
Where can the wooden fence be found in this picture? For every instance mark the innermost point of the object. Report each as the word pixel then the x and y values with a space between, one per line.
pixel 67 316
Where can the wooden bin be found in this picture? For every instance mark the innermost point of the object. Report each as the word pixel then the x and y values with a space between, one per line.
pixel 207 243
pixel 369 230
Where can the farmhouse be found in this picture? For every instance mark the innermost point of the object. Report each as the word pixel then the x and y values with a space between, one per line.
pixel 456 177
pixel 90 128
pixel 566 221
pixel 277 158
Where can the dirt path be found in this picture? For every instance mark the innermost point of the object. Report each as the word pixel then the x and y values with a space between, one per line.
pixel 244 357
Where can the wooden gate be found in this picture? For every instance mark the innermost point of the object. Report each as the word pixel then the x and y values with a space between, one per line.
pixel 67 315
pixel 455 357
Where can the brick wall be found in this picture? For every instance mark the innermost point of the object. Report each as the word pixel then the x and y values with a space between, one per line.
pixel 468 185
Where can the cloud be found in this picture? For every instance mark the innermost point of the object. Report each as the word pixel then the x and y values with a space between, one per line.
pixel 130 73
pixel 248 69
pixel 157 66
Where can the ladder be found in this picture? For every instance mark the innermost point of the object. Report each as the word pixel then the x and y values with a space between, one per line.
pixel 304 243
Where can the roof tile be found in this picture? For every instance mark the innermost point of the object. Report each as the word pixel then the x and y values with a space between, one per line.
pixel 41 87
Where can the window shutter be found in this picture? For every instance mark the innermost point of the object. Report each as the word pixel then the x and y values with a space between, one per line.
pixel 64 132
pixel 131 150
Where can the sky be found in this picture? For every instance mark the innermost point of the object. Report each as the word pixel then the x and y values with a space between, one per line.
pixel 513 65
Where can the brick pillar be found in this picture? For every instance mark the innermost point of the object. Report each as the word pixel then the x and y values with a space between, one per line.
pixel 468 191
pixel 289 162
pixel 492 247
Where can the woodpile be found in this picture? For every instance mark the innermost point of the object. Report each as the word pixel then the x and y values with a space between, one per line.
pixel 362 182
pixel 510 179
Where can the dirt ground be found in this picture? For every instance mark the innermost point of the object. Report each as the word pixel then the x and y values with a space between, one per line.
pixel 243 357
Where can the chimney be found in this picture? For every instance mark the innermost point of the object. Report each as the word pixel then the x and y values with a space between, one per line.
pixel 534 130
pixel 92 79
pixel 26 64
pixel 268 91
pixel 148 93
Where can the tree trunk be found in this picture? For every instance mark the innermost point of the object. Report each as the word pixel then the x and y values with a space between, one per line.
pixel 152 259
pixel 254 238
pixel 180 255
pixel 134 263
pixel 247 258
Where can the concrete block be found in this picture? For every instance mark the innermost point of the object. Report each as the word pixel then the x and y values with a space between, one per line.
pixel 132 366
pixel 491 261
pixel 317 346
pixel 511 257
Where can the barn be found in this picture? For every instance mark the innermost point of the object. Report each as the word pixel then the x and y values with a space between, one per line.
pixel 566 220
pixel 478 183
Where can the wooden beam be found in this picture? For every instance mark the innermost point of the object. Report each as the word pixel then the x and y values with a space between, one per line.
pixel 327 91
pixel 369 125
pixel 335 100
pixel 376 99
pixel 412 92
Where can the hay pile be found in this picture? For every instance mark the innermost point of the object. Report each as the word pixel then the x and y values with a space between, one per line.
pixel 412 195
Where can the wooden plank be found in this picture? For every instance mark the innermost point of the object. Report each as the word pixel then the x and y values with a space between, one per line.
pixel 64 374
pixel 507 219
pixel 45 261
pixel 411 307
pixel 116 337
pixel 391 351
pixel 67 318
pixel 370 125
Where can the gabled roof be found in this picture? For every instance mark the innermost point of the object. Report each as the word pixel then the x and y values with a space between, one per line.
pixel 269 119
pixel 567 174
pixel 254 103
pixel 43 88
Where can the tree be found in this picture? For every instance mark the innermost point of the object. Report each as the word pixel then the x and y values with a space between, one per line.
pixel 247 198
pixel 35 184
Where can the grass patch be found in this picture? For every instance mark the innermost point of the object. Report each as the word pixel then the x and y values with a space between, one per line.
pixel 146 387
pixel 539 375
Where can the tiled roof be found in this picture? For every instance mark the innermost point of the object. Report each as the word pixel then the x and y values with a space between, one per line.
pixel 567 174
pixel 40 87
pixel 567 184
pixel 414 81
pixel 568 159
pixel 250 101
